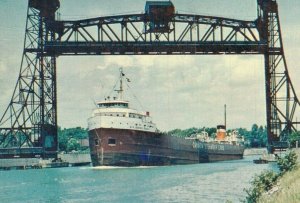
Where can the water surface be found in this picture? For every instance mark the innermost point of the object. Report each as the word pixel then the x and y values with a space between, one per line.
pixel 211 182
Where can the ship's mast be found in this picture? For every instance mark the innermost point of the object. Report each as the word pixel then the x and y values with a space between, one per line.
pixel 120 91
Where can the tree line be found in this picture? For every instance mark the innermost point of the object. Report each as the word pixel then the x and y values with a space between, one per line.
pixel 69 139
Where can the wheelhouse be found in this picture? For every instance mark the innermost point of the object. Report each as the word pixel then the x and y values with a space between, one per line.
pixel 113 104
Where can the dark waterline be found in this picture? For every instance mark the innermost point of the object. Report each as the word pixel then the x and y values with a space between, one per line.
pixel 212 182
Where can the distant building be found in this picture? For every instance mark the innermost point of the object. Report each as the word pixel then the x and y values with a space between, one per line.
pixel 83 142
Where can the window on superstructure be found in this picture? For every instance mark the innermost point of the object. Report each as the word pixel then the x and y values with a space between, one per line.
pixel 96 142
pixel 111 142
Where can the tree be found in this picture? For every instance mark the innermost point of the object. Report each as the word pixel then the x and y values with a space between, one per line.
pixel 68 139
pixel 288 162
pixel 254 136
pixel 294 137
pixel 261 183
pixel 262 136
pixel 73 145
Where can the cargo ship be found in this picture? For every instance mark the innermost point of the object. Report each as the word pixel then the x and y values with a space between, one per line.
pixel 123 136
pixel 223 146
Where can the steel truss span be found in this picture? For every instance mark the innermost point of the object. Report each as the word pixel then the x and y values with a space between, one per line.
pixel 128 35
pixel 30 120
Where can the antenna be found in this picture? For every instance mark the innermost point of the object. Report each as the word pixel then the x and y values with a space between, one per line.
pixel 120 91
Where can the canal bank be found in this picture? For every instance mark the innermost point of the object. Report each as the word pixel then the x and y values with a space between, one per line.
pixel 64 160
pixel 255 151
pixel 287 187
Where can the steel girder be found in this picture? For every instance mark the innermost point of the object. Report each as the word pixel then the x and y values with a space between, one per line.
pixel 281 100
pixel 127 34
pixel 28 127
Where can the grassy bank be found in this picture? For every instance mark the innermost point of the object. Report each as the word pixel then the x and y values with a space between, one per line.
pixel 286 190
pixel 283 186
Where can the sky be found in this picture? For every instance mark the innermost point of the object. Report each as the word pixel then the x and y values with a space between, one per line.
pixel 179 91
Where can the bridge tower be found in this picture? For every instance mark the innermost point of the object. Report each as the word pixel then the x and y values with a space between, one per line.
pixel 29 124
pixel 281 99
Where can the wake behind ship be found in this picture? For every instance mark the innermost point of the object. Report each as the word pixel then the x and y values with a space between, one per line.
pixel 122 136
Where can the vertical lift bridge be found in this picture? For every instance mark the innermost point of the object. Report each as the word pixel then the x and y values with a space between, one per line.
pixel 28 127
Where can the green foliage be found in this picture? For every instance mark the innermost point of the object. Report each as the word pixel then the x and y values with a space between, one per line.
pixel 256 137
pixel 261 183
pixel 266 180
pixel 68 139
pixel 73 145
pixel 293 138
pixel 288 162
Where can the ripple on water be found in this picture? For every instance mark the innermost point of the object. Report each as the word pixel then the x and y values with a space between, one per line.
pixel 213 182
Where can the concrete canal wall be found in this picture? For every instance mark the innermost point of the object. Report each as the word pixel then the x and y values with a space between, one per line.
pixel 19 163
pixel 22 163
pixel 255 151
pixel 76 158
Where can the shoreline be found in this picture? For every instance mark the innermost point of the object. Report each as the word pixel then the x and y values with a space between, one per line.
pixel 255 151
pixel 286 189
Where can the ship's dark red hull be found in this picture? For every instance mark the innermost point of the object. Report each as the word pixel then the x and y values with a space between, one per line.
pixel 120 147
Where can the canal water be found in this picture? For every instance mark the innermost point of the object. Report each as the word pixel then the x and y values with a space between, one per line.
pixel 211 182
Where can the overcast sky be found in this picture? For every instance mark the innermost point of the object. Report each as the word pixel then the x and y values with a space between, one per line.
pixel 179 91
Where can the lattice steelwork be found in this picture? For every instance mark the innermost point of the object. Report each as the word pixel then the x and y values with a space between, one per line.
pixel 31 116
pixel 281 98
pixel 29 124
pixel 127 34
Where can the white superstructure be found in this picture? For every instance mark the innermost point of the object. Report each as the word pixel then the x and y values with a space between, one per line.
pixel 117 114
